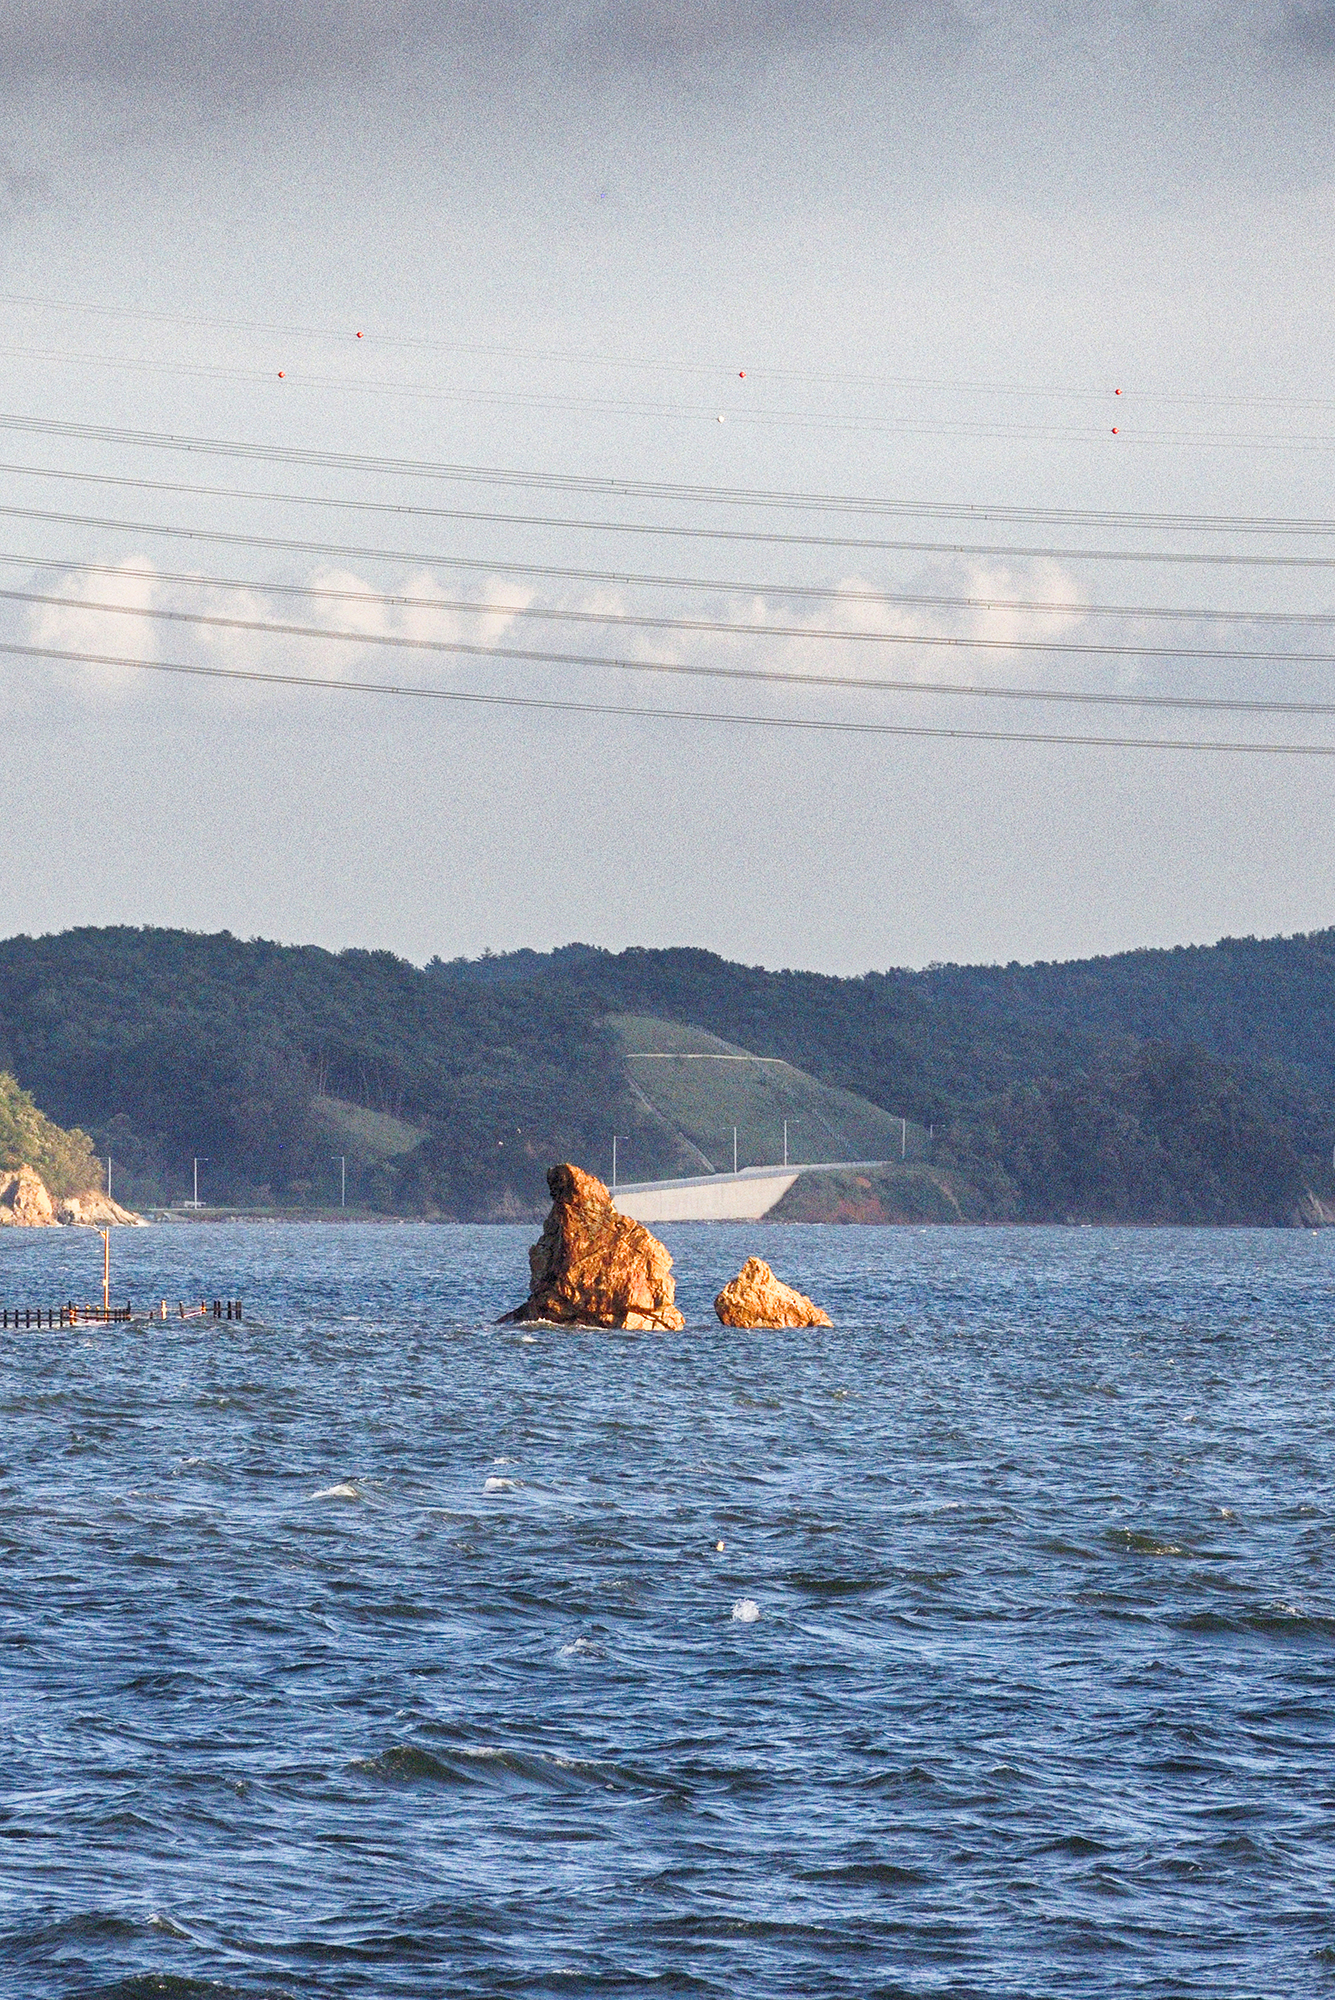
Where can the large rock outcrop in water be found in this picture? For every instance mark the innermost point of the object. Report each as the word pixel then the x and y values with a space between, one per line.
pixel 593 1267
pixel 757 1298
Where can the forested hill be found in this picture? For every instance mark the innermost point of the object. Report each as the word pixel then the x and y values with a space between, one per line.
pixel 1194 1083
pixel 1260 1002
pixel 1264 1005
pixel 1156 1086
pixel 255 1057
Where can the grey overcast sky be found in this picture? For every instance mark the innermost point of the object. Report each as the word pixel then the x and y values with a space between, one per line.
pixel 907 252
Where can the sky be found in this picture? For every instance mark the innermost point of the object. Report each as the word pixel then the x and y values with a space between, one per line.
pixel 699 344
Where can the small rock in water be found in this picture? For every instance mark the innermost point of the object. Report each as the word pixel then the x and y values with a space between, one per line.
pixel 745 1611
pixel 494 1485
pixel 757 1298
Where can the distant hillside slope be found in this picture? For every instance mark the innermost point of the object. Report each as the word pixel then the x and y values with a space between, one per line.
pixel 883 1036
pixel 703 1087
pixel 256 1057
pixel 1108 1089
pixel 1265 1006
pixel 1156 1087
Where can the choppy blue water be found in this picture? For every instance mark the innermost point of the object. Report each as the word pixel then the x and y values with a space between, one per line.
pixel 368 1648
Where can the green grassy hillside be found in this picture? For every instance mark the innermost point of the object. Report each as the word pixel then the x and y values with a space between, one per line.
pixel 702 1086
pixel 365 1137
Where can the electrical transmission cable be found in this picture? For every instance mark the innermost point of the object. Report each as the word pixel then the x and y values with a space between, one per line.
pixel 934 640
pixel 1065 607
pixel 755 417
pixel 921 600
pixel 233 538
pixel 563 482
pixel 737 719
pixel 349 335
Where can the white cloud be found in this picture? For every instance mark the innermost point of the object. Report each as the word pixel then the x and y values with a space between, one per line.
pixel 84 624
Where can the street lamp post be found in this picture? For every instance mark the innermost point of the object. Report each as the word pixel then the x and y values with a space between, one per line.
pixel 198 1157
pixel 342 1159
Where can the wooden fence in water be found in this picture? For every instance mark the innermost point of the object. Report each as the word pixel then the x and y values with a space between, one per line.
pixel 21 1319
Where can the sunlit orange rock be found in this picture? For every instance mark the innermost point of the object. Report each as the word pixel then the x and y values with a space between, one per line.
pixel 27 1203
pixel 594 1267
pixel 757 1298
pixel 24 1200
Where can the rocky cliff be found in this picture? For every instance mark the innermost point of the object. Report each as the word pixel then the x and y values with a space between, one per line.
pixel 26 1202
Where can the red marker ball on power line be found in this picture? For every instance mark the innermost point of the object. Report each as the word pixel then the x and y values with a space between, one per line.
pixel 280 374
pixel 741 374
pixel 1114 430
pixel 359 337
pixel 1117 392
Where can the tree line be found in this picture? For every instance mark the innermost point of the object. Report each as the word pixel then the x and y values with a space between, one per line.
pixel 1153 1087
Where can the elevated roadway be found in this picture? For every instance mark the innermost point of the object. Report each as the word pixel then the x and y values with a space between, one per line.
pixel 741 1197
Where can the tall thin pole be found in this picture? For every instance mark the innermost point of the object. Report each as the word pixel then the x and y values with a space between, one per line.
pixel 108 1177
pixel 106 1272
pixel 734 1149
pixel 196 1183
pixel 903 1138
pixel 785 1142
pixel 615 1137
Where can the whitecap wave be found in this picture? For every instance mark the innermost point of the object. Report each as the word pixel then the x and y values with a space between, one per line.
pixel 582 1649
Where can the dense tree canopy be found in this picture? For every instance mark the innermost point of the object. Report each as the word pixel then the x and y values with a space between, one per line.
pixel 28 1139
pixel 1191 1086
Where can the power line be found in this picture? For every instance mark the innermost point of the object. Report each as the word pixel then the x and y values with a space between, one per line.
pixel 544 703
pixel 233 538
pixel 934 640
pixel 810 420
pixel 1066 607
pixel 349 333
pixel 666 490
pixel 838 592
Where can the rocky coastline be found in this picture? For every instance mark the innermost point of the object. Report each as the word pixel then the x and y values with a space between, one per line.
pixel 26 1202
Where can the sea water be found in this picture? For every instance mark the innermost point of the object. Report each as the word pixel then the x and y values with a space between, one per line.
pixel 983 1645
